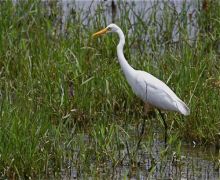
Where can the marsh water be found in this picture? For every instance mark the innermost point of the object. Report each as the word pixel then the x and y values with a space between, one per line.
pixel 113 10
pixel 195 162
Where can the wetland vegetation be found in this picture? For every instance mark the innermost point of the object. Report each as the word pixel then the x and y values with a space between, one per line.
pixel 66 109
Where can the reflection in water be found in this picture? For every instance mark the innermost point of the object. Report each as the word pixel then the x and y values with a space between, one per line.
pixel 154 163
pixel 137 10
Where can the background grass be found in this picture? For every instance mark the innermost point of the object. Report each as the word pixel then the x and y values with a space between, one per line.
pixel 62 94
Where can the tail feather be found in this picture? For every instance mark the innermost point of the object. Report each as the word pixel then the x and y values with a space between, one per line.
pixel 183 108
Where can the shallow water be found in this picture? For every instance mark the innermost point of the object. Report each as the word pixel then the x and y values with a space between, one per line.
pixel 153 162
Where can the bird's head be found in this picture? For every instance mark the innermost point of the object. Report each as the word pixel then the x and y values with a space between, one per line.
pixel 108 29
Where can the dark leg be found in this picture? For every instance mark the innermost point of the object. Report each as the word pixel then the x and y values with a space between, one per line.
pixel 129 155
pixel 165 126
pixel 148 113
pixel 142 133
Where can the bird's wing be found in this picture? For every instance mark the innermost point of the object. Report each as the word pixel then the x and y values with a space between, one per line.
pixel 154 91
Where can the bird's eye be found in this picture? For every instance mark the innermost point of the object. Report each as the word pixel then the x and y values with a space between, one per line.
pixel 109 29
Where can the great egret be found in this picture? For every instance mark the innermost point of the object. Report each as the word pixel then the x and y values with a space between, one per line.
pixel 154 92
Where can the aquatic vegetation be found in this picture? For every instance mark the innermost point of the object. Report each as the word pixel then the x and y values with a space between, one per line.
pixel 64 105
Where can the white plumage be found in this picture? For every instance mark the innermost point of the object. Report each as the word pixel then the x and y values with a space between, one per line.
pixel 147 87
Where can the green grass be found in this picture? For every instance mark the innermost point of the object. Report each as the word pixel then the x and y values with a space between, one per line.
pixel 64 95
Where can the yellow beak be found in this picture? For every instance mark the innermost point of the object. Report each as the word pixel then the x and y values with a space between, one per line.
pixel 103 31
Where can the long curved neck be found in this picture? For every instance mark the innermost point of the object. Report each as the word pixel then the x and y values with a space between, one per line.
pixel 127 69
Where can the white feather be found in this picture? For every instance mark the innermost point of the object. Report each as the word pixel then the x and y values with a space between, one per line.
pixel 150 89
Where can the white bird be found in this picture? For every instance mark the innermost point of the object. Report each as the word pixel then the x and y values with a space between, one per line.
pixel 151 90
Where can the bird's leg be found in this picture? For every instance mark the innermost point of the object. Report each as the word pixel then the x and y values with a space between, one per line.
pixel 142 133
pixel 148 110
pixel 165 126
pixel 129 155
